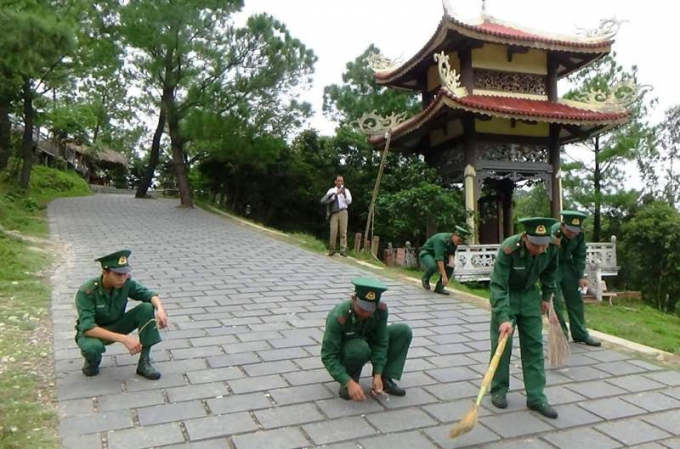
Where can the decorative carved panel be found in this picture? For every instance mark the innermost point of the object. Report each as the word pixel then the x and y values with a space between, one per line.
pixel 512 152
pixel 515 175
pixel 525 83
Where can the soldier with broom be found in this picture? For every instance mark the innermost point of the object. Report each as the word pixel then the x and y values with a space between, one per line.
pixel 570 275
pixel 433 254
pixel 522 260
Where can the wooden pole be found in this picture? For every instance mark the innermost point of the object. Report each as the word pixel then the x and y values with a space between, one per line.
pixel 357 243
pixel 374 196
pixel 374 246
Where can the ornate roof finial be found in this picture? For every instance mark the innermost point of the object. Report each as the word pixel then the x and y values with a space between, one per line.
pixel 483 6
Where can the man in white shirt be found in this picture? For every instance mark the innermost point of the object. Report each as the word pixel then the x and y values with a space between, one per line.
pixel 338 198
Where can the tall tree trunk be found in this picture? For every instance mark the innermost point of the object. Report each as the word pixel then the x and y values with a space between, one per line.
pixel 597 178
pixel 5 132
pixel 145 183
pixel 177 145
pixel 27 141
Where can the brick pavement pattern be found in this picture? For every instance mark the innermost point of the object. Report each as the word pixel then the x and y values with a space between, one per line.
pixel 241 365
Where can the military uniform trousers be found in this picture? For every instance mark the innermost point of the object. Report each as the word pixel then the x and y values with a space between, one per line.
pixel 136 318
pixel 525 310
pixel 357 352
pixel 431 268
pixel 568 294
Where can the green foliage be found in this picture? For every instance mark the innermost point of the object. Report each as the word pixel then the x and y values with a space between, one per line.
pixel 651 251
pixel 360 94
pixel 531 202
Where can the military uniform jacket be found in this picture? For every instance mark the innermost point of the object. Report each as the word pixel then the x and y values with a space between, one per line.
pixel 515 274
pixel 342 325
pixel 572 252
pixel 439 246
pixel 96 307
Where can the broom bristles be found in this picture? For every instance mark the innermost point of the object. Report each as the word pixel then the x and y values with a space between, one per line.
pixel 558 345
pixel 465 424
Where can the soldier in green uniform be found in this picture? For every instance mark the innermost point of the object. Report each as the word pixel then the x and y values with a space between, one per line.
pixel 522 261
pixel 102 318
pixel 571 275
pixel 437 254
pixel 356 333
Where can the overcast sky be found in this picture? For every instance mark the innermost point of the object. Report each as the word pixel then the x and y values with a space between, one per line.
pixel 339 31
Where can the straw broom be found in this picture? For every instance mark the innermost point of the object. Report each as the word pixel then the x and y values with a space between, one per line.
pixel 558 346
pixel 470 419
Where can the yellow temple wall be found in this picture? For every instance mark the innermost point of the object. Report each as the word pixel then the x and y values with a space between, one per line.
pixel 504 127
pixel 495 57
pixel 433 80
pixel 454 128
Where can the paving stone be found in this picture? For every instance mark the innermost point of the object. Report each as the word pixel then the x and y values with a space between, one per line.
pixel 309 363
pixel 338 430
pixel 558 395
pixel 452 391
pixel 608 356
pixel 672 392
pixel 250 346
pixel 190 392
pixel 130 400
pixel 450 412
pixel 667 421
pixel 584 373
pixel 92 441
pixel 145 437
pixel 283 354
pixel 87 390
pixel 526 443
pixel 620 368
pixel 632 431
pixel 337 407
pixel 308 377
pixel 670 378
pixel 648 446
pixel 453 374
pixel 673 443
pixel 636 383
pixel 218 426
pixel 272 439
pixel 262 369
pixel 214 341
pixel 612 408
pixel 410 440
pixel 251 384
pixel 96 422
pixel 158 414
pixel 572 415
pixel 400 420
pixel 306 393
pixel 221 443
pixel 582 437
pixel 242 358
pixel 139 383
pixel 414 397
pixel 596 389
pixel 653 401
pixel 215 375
pixel 512 425
pixel 75 407
pixel 238 403
pixel 288 415
pixel 447 361
pixel 478 437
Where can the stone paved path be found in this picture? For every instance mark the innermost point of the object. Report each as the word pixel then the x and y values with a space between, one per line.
pixel 241 365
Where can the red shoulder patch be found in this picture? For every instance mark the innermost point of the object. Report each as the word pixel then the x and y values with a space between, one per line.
pixel 342 319
pixel 507 250
pixel 382 306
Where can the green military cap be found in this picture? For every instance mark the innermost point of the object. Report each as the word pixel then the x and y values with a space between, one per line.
pixel 116 262
pixel 368 291
pixel 573 220
pixel 538 229
pixel 463 232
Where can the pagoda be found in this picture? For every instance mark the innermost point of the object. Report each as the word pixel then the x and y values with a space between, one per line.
pixel 491 116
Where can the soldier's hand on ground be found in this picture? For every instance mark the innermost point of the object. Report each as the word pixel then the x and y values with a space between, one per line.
pixel 583 283
pixel 377 386
pixel 545 306
pixel 162 319
pixel 132 344
pixel 355 391
pixel 505 328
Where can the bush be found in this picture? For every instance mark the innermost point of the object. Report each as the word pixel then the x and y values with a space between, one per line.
pixel 651 254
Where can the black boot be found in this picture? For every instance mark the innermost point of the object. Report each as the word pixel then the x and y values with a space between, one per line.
pixel 145 369
pixel 91 367
pixel 344 391
pixel 499 401
pixel 426 283
pixel 545 410
pixel 391 388
pixel 590 341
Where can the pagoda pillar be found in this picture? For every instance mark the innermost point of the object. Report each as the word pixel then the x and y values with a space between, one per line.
pixel 470 175
pixel 554 149
pixel 508 188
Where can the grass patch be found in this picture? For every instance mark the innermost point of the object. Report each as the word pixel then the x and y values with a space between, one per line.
pixel 636 322
pixel 27 415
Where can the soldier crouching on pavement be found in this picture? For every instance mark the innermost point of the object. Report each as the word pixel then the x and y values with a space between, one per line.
pixel 102 318
pixel 356 333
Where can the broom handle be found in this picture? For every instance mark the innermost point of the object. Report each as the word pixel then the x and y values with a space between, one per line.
pixel 492 368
